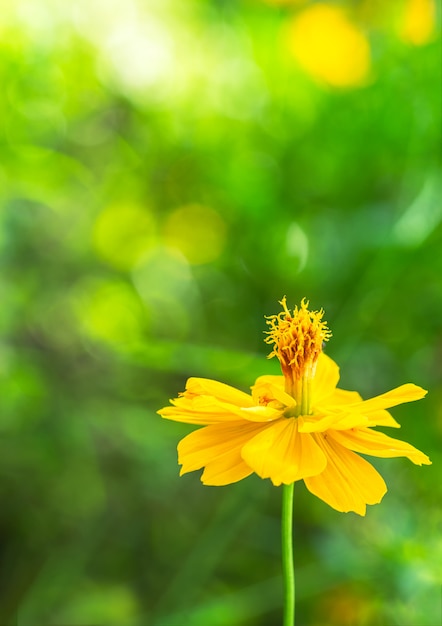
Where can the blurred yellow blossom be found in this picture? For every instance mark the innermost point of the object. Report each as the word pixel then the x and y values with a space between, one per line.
pixel 328 46
pixel 418 21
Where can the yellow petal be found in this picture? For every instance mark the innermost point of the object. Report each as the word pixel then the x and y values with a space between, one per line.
pixel 360 413
pixel 225 472
pixel 261 413
pixel 282 454
pixel 277 381
pixel 220 391
pixel 207 401
pixel 325 380
pixel 374 443
pixel 337 420
pixel 382 418
pixel 200 410
pixel 272 388
pixel 217 448
pixel 342 396
pixel 349 482
pixel 404 393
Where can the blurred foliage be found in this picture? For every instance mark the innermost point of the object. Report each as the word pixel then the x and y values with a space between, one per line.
pixel 169 169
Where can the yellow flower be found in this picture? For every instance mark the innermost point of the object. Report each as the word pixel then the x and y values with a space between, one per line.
pixel 298 426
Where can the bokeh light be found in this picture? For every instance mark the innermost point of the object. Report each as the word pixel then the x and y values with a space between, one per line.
pixel 197 231
pixel 329 46
pixel 109 311
pixel 123 234
pixel 417 22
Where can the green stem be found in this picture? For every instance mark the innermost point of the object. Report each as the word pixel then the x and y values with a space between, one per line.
pixel 288 571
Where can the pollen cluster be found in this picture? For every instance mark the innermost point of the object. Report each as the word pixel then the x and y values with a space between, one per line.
pixel 297 339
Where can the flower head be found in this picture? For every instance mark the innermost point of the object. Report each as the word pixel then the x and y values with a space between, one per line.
pixel 299 426
pixel 297 337
pixel 297 340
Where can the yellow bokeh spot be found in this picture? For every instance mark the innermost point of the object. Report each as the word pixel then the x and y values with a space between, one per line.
pixel 197 231
pixel 418 20
pixel 123 233
pixel 329 46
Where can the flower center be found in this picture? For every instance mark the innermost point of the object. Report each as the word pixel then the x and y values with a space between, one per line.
pixel 297 339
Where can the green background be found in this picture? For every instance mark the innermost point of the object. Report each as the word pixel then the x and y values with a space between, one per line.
pixel 168 171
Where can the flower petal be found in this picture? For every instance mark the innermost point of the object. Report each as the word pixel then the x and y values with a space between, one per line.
pixel 261 413
pixel 271 388
pixel 342 396
pixel 404 393
pixel 325 380
pixel 219 391
pixel 349 482
pixel 225 472
pixel 277 381
pixel 282 454
pixel 382 418
pixel 201 410
pixel 378 444
pixel 337 420
pixel 207 401
pixel 360 413
pixel 217 447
